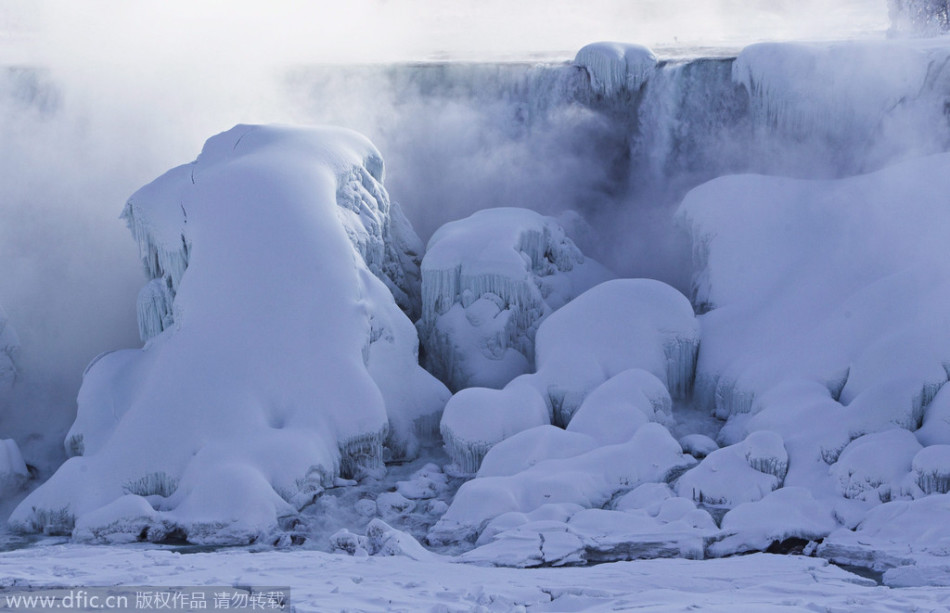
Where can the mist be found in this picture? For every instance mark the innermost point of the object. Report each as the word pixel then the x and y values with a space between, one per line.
pixel 97 98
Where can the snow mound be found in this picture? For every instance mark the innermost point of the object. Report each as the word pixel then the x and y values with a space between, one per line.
pixel 789 512
pixel 614 327
pixel 616 68
pixel 476 419
pixel 285 361
pixel 527 448
pixel 617 408
pixel 589 479
pixel 931 468
pixel 744 472
pixel 381 540
pixel 873 467
pixel 488 281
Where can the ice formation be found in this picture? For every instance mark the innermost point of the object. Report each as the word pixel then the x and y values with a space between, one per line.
pixel 285 361
pixel 617 408
pixel 616 68
pixel 477 418
pixel 9 350
pixel 488 281
pixel 13 470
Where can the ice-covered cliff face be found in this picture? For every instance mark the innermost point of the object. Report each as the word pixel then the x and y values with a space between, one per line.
pixel 488 281
pixel 9 349
pixel 285 362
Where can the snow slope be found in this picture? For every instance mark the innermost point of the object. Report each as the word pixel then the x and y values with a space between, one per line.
pixel 278 359
pixel 327 582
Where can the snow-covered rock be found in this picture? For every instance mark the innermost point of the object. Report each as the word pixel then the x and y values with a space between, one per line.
pixel 525 449
pixel 488 281
pixel 614 327
pixel 894 534
pixel 617 408
pixel 590 479
pixel 744 472
pixel 286 361
pixel 381 540
pixel 616 68
pixel 477 418
pixel 931 467
pixel 789 512
pixel 874 467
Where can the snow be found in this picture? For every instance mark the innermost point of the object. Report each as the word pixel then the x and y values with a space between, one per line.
pixel 611 328
pixel 873 467
pixel 334 582
pixel 931 467
pixel 13 470
pixel 285 365
pixel 475 419
pixel 589 479
pixel 616 68
pixel 744 472
pixel 488 281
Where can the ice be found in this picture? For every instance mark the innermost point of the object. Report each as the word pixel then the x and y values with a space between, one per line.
pixel 614 327
pixel 488 281
pixel 936 423
pixel 615 410
pixel 698 445
pixel 590 479
pixel 13 470
pixel 616 68
pixel 931 467
pixel 739 473
pixel 477 418
pixel 285 362
pixel 381 540
pixel 9 352
pixel 786 513
pixel 874 467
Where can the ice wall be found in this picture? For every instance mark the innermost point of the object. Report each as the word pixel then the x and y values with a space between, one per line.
pixel 287 363
pixel 9 349
pixel 488 281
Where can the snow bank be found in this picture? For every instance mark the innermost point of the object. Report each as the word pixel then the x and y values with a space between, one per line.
pixel 283 360
pixel 488 281
pixel 617 408
pixel 839 318
pixel 616 68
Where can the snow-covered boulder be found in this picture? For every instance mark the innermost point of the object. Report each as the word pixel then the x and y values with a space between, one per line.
pixel 936 423
pixel 488 281
pixel 913 533
pixel 744 472
pixel 614 327
pixel 477 418
pixel 616 409
pixel 283 363
pixel 527 448
pixel 590 480
pixel 931 468
pixel 789 512
pixel 874 467
pixel 616 68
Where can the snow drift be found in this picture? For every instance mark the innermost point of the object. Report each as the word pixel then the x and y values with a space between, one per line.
pixel 277 358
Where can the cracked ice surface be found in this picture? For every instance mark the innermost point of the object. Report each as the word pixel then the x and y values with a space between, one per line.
pixel 288 363
pixel 488 281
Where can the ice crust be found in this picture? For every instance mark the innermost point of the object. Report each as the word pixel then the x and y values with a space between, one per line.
pixel 488 281
pixel 286 363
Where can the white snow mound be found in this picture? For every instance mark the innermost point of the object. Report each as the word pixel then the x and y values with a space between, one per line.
pixel 280 362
